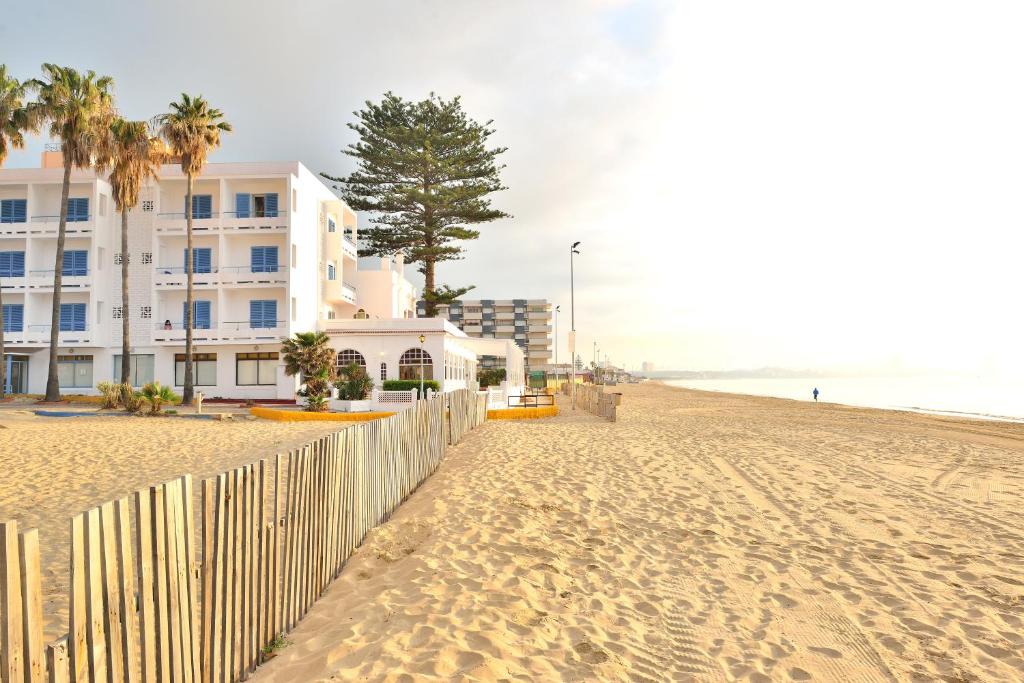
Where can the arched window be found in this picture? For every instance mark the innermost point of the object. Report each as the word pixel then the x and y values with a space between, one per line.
pixel 350 356
pixel 413 362
pixel 383 371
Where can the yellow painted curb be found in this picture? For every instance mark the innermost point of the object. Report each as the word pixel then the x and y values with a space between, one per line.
pixel 303 416
pixel 522 413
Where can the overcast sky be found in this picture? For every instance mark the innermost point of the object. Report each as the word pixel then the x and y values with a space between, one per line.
pixel 804 184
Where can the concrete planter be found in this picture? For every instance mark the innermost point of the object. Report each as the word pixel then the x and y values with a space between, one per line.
pixel 350 406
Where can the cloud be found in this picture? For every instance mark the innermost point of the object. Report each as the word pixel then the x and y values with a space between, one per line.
pixel 792 183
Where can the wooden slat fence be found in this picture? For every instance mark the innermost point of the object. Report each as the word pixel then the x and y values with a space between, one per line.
pixel 593 399
pixel 146 605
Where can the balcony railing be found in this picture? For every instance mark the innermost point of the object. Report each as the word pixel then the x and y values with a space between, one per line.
pixel 44 272
pixel 200 216
pixel 254 214
pixel 63 327
pixel 232 325
pixel 77 218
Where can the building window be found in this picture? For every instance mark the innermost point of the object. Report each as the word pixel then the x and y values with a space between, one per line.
pixel 331 274
pixel 72 318
pixel 202 205
pixel 263 259
pixel 76 263
pixel 74 372
pixel 202 260
pixel 415 364
pixel 200 314
pixel 145 312
pixel 116 312
pixel 252 369
pixel 204 369
pixel 13 210
pixel 383 371
pixel 140 365
pixel 147 257
pixel 14 317
pixel 12 264
pixel 147 205
pixel 262 314
pixel 78 209
pixel 103 204
pixel 350 356
pixel 120 258
pixel 331 226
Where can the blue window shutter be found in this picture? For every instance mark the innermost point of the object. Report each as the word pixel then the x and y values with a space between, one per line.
pixel 78 209
pixel 255 313
pixel 243 201
pixel 203 260
pixel 65 317
pixel 17 264
pixel 270 205
pixel 269 313
pixel 202 314
pixel 76 262
pixel 270 259
pixel 79 317
pixel 257 259
pixel 7 211
pixel 184 260
pixel 20 211
pixel 330 271
pixel 6 263
pixel 13 317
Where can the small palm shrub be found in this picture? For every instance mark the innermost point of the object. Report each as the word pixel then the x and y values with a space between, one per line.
pixel 111 394
pixel 353 383
pixel 130 399
pixel 316 389
pixel 157 395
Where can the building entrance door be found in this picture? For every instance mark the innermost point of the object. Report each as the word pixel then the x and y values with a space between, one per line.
pixel 16 375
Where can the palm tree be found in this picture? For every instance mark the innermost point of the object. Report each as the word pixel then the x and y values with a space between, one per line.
pixel 135 157
pixel 192 130
pixel 309 355
pixel 79 108
pixel 14 123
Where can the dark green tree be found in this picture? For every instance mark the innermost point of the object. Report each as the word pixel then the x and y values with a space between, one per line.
pixel 424 174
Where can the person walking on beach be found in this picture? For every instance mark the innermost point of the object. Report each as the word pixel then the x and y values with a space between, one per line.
pixel 815 392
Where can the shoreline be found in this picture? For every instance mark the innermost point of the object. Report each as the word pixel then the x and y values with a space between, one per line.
pixel 965 415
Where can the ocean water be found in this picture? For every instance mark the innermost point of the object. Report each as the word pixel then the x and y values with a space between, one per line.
pixel 990 398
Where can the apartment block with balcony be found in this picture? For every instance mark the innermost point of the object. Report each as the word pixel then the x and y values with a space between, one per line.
pixel 525 321
pixel 274 253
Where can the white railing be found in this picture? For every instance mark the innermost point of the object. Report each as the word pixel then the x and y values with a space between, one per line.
pixel 495 397
pixel 394 396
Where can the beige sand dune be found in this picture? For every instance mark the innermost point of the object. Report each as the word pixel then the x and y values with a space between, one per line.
pixel 703 537
pixel 54 468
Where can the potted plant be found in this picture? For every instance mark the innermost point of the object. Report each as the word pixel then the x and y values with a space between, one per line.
pixel 354 387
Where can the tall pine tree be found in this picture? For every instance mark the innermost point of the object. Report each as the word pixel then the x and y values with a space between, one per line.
pixel 424 173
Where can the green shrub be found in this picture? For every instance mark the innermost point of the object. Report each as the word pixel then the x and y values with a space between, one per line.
pixel 131 400
pixel 490 377
pixel 407 384
pixel 111 394
pixel 353 383
pixel 158 395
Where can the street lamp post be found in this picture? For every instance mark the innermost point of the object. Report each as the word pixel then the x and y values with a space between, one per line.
pixel 572 319
pixel 422 339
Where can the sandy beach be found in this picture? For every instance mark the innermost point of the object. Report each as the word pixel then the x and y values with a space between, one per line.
pixel 703 537
pixel 54 468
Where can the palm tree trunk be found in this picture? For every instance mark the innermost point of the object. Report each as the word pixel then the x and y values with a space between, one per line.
pixel 3 359
pixel 186 392
pixel 52 382
pixel 126 365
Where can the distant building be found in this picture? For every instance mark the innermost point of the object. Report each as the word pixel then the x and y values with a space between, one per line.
pixel 525 321
pixel 647 366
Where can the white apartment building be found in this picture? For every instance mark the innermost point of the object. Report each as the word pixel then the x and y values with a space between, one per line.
pixel 274 254
pixel 527 322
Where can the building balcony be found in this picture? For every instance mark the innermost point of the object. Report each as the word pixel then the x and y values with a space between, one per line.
pixel 175 277
pixel 229 332
pixel 43 280
pixel 226 221
pixel 541 329
pixel 49 226
pixel 39 335
pixel 339 291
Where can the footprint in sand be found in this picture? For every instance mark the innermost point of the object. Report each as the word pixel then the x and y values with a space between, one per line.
pixel 827 652
pixel 590 653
